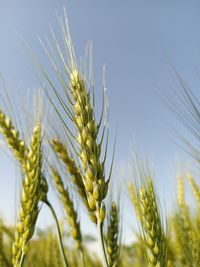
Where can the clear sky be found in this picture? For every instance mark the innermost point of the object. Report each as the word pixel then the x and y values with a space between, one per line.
pixel 138 41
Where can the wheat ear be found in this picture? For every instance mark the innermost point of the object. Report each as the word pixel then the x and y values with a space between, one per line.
pixel 151 225
pixel 70 165
pixel 30 198
pixel 96 186
pixel 189 242
pixel 19 148
pixel 113 236
pixel 89 150
pixel 69 208
pixel 134 200
pixel 80 110
pixel 11 134
pixel 195 188
pixel 72 169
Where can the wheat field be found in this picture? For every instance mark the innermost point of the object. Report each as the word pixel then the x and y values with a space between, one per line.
pixel 67 149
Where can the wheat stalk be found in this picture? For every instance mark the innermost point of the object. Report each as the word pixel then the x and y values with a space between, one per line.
pixel 56 252
pixel 62 248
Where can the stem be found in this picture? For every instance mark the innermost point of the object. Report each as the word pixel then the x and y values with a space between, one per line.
pixel 101 241
pixel 22 260
pixel 59 233
pixel 82 256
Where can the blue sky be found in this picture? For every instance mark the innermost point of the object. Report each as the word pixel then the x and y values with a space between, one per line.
pixel 138 41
